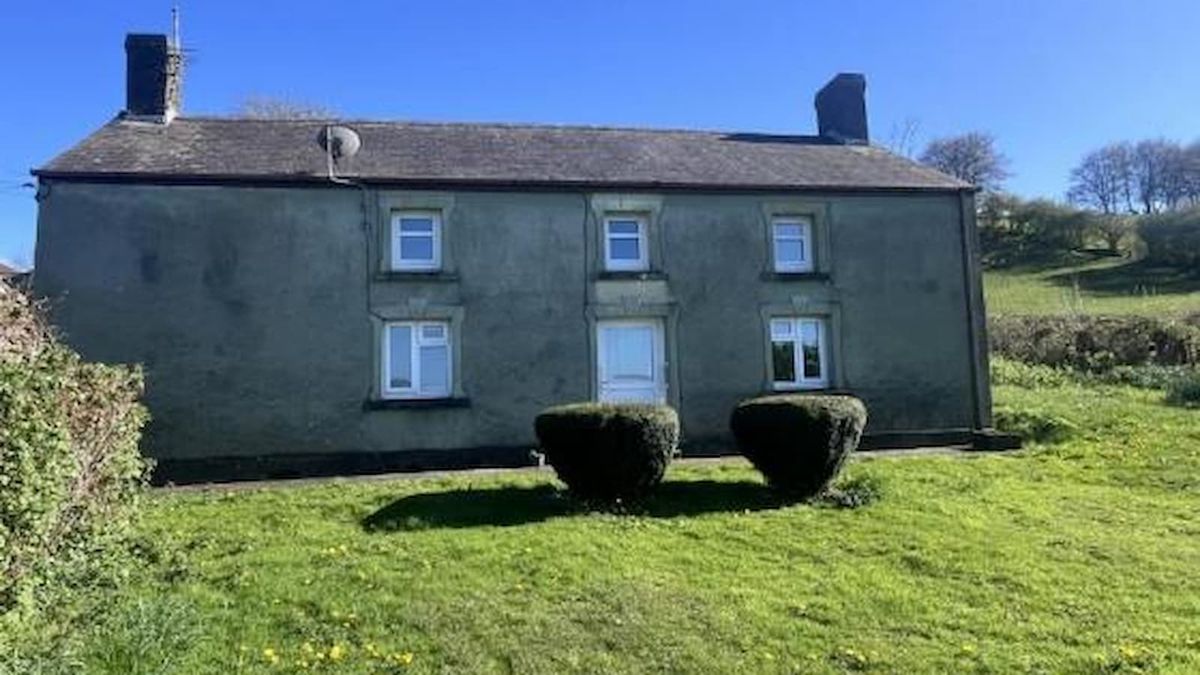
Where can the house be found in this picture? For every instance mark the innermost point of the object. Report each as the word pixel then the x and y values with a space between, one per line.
pixel 339 296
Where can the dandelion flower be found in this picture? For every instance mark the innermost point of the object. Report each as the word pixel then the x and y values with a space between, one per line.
pixel 270 656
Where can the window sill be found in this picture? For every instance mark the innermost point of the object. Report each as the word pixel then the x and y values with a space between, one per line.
pixel 414 275
pixel 795 276
pixel 415 403
pixel 631 275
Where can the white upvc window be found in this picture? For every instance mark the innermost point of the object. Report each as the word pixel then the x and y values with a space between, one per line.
pixel 792 244
pixel 416 359
pixel 625 244
pixel 799 353
pixel 416 241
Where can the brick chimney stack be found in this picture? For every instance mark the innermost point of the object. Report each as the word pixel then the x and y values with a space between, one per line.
pixel 153 77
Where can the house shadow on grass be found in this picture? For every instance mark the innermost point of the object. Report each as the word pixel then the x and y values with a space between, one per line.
pixel 509 506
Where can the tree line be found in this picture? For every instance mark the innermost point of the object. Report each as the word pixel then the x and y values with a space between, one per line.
pixel 1147 177
pixel 1129 197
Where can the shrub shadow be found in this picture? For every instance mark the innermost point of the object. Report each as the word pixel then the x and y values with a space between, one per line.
pixel 497 507
pixel 513 505
pixel 1032 260
pixel 1134 278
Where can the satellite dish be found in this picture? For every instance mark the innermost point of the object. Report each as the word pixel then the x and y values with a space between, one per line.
pixel 339 141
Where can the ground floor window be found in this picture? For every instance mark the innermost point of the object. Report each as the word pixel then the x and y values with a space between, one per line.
pixel 416 359
pixel 799 353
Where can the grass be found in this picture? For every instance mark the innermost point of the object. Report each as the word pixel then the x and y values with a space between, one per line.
pixel 1074 557
pixel 1105 286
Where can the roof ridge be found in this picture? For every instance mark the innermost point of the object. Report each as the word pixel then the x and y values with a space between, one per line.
pixel 497 125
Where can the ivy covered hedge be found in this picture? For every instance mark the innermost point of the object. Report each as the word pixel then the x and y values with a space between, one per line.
pixel 70 470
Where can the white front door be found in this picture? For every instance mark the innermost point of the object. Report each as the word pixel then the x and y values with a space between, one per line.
pixel 630 361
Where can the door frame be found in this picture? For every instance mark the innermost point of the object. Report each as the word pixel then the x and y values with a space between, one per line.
pixel 657 306
pixel 663 377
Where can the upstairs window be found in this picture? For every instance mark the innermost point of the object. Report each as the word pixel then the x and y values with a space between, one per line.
pixel 625 244
pixel 792 242
pixel 416 360
pixel 416 241
pixel 798 353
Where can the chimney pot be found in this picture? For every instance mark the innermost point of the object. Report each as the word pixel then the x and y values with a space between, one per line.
pixel 842 109
pixel 153 76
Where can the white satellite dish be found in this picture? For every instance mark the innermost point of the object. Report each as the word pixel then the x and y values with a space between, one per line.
pixel 340 142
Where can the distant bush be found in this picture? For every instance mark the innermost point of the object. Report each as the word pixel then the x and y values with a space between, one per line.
pixel 608 451
pixel 1144 377
pixel 798 441
pixel 1035 376
pixel 1095 343
pixel 70 470
pixel 1172 238
pixel 1031 376
pixel 1185 390
pixel 1033 425
pixel 1014 232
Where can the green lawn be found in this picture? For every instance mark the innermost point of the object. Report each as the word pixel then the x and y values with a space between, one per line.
pixel 1077 557
pixel 1106 286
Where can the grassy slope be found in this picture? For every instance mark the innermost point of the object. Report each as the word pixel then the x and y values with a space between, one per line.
pixel 1076 557
pixel 1106 286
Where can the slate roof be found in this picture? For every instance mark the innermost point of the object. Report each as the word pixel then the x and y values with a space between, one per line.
pixel 226 149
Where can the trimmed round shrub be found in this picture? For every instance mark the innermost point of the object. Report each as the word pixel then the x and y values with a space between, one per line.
pixel 798 441
pixel 608 451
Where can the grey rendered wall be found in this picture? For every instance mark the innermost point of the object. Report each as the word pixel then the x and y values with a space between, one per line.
pixel 256 311
pixel 891 284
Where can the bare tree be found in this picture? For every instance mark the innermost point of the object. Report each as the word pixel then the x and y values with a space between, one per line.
pixel 1155 166
pixel 1103 179
pixel 902 139
pixel 1180 183
pixel 1191 160
pixel 971 157
pixel 276 108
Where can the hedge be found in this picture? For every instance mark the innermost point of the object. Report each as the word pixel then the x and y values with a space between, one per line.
pixel 1096 342
pixel 70 470
pixel 608 451
pixel 798 441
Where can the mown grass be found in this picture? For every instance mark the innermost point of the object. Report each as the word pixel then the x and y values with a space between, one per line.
pixel 1106 286
pixel 1074 557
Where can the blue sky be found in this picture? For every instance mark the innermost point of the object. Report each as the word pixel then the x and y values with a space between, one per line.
pixel 1050 79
